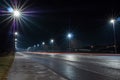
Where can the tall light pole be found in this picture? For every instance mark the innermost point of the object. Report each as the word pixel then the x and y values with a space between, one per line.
pixel 114 34
pixel 16 14
pixel 15 41
pixel 69 36
pixel 16 11
pixel 43 46
pixel 52 43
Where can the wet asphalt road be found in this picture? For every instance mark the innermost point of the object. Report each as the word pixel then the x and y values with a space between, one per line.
pixel 80 67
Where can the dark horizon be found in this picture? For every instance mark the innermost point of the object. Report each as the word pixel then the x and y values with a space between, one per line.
pixel 88 21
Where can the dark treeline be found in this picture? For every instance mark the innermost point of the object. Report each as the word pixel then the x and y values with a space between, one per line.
pixel 6 40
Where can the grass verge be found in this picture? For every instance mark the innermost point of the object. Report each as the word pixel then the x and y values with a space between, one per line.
pixel 5 64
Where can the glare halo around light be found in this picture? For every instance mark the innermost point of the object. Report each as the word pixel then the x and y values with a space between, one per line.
pixel 10 9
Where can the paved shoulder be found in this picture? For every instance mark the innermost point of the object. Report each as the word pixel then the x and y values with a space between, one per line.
pixel 25 69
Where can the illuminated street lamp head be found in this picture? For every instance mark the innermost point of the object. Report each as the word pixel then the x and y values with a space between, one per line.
pixel 69 35
pixel 43 43
pixel 52 41
pixel 38 45
pixel 15 40
pixel 16 33
pixel 16 13
pixel 112 21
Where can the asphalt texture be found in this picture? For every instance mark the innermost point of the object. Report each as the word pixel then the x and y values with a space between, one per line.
pixel 80 67
pixel 24 68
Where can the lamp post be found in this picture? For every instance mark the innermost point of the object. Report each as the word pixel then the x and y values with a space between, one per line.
pixel 69 36
pixel 15 41
pixel 15 13
pixel 52 43
pixel 114 34
pixel 43 46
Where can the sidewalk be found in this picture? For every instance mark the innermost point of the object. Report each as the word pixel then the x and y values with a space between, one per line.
pixel 25 69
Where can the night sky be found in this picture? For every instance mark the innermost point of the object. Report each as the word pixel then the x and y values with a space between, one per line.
pixel 88 21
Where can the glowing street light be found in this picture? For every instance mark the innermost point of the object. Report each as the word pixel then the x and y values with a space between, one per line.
pixel 43 43
pixel 112 21
pixel 16 33
pixel 16 13
pixel 38 45
pixel 15 40
pixel 69 36
pixel 52 41
pixel 43 46
pixel 113 24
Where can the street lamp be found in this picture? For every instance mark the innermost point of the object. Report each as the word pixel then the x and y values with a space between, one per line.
pixel 113 24
pixel 15 43
pixel 38 45
pixel 15 40
pixel 16 33
pixel 16 13
pixel 43 43
pixel 15 37
pixel 43 46
pixel 69 36
pixel 52 41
